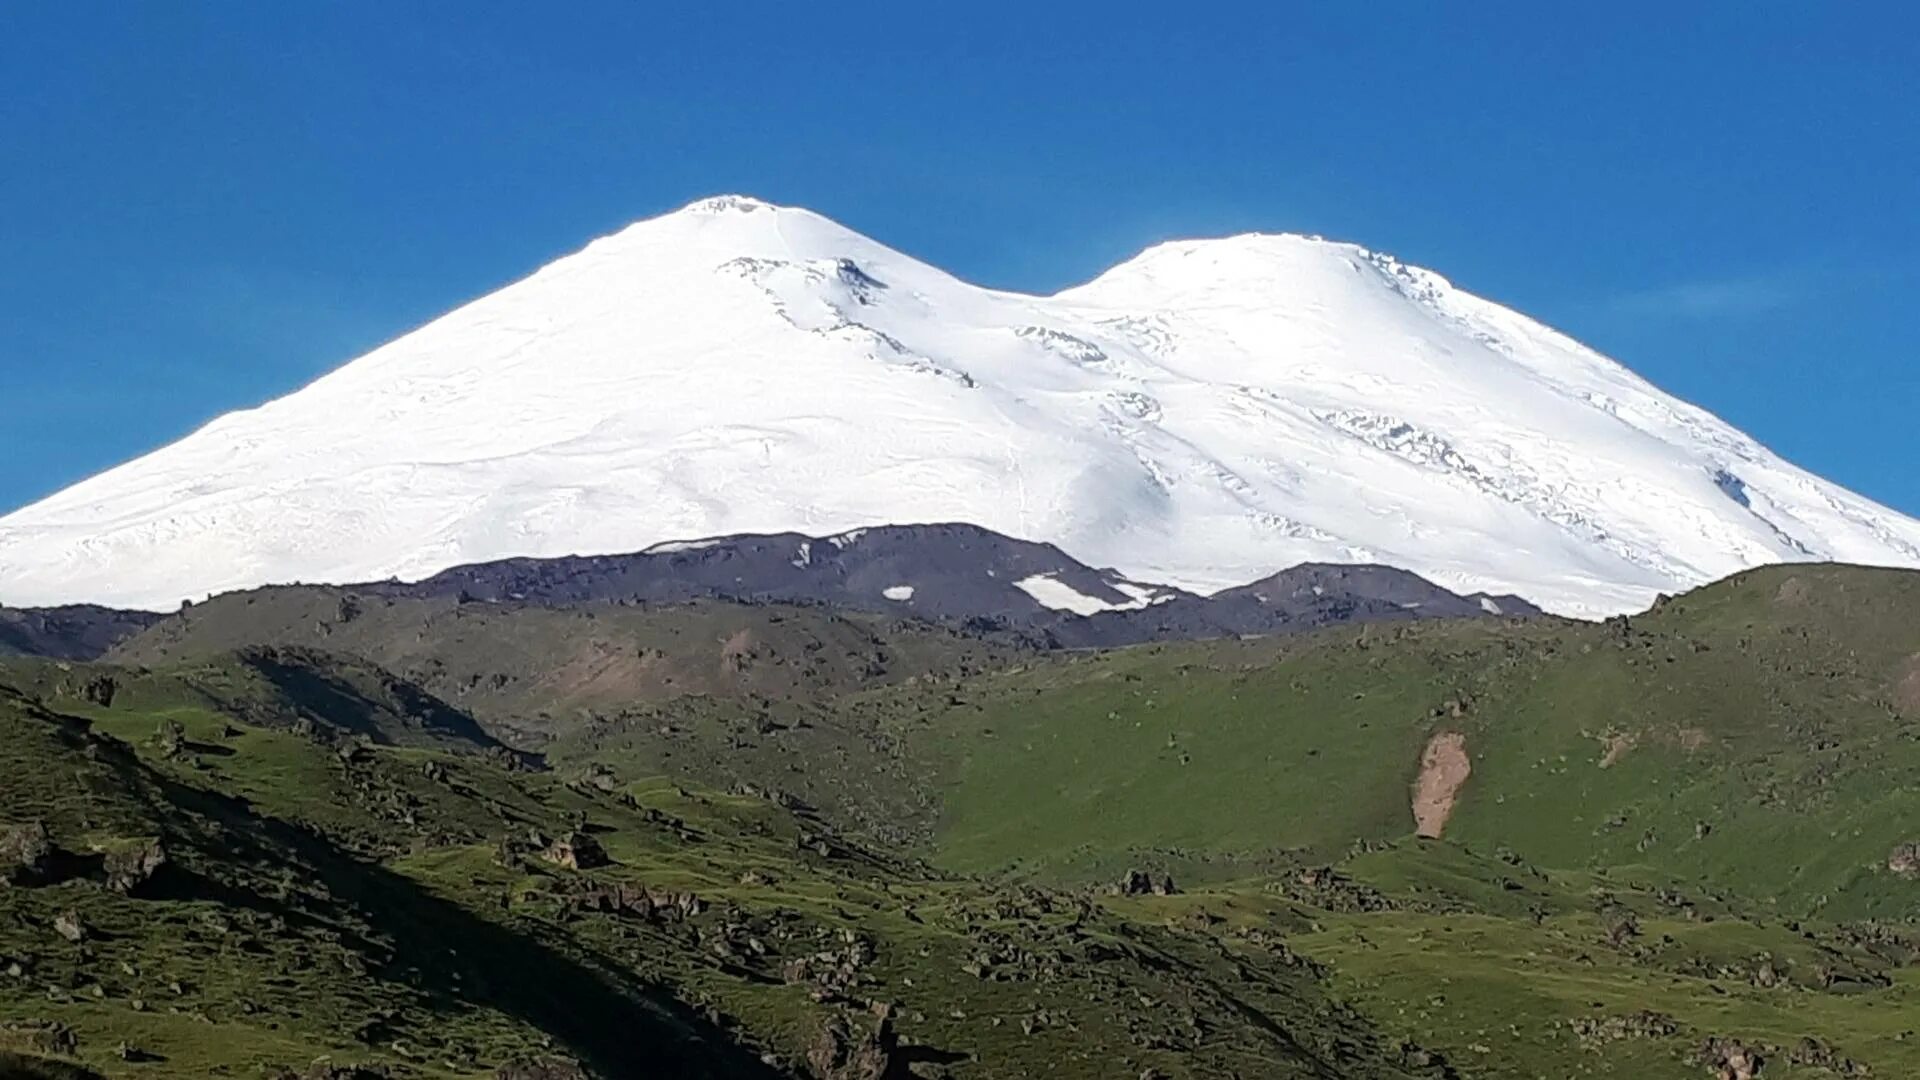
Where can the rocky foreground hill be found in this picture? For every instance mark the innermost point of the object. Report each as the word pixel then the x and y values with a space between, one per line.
pixel 1678 844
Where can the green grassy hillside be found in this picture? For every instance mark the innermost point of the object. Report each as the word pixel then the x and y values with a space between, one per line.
pixel 1759 737
pixel 346 697
pixel 532 672
pixel 400 908
pixel 1665 846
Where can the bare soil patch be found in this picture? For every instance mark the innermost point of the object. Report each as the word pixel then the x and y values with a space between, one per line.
pixel 1794 590
pixel 1615 746
pixel 1444 767
pixel 736 652
pixel 1906 687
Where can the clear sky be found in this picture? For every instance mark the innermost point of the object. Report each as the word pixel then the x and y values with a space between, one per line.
pixel 204 205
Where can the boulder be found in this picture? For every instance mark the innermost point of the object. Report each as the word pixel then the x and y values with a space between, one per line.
pixel 576 851
pixel 1905 860
pixel 599 777
pixel 1731 1059
pixel 839 1053
pixel 100 690
pixel 170 739
pixel 69 926
pixel 132 863
pixel 26 853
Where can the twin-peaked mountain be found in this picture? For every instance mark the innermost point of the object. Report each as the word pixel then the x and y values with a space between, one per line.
pixel 1202 415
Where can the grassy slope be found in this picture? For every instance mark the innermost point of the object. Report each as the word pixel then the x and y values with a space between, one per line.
pixel 1776 710
pixel 1761 745
pixel 534 672
pixel 269 687
pixel 1742 755
pixel 274 934
pixel 357 911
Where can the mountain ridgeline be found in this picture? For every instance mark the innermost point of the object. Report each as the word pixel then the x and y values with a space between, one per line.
pixel 961 577
pixel 964 574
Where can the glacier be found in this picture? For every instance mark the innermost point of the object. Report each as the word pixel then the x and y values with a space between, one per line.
pixel 1202 415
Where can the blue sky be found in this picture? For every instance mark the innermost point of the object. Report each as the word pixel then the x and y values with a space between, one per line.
pixel 204 205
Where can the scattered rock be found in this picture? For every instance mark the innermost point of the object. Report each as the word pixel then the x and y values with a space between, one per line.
pixel 100 690
pixel 1614 747
pixel 1622 928
pixel 629 898
pixel 1812 1053
pixel 1325 887
pixel 542 1069
pixel 1731 1059
pixel 26 853
pixel 1645 1024
pixel 1903 860
pixel 838 1054
pixel 600 778
pixel 576 851
pixel 133 863
pixel 127 1051
pixel 1427 1062
pixel 69 926
pixel 40 1037
pixel 170 739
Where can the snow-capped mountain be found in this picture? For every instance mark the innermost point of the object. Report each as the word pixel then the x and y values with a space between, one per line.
pixel 1201 415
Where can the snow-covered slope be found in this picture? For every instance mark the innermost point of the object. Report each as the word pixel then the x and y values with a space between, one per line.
pixel 1202 415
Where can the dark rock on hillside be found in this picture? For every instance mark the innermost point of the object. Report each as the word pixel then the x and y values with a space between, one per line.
pixel 576 851
pixel 39 1037
pixel 25 852
pixel 77 632
pixel 841 1053
pixel 353 700
pixel 129 865
pixel 1731 1059
pixel 1306 597
pixel 961 574
pixel 1903 860
pixel 542 1069
pixel 934 571
pixel 70 926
